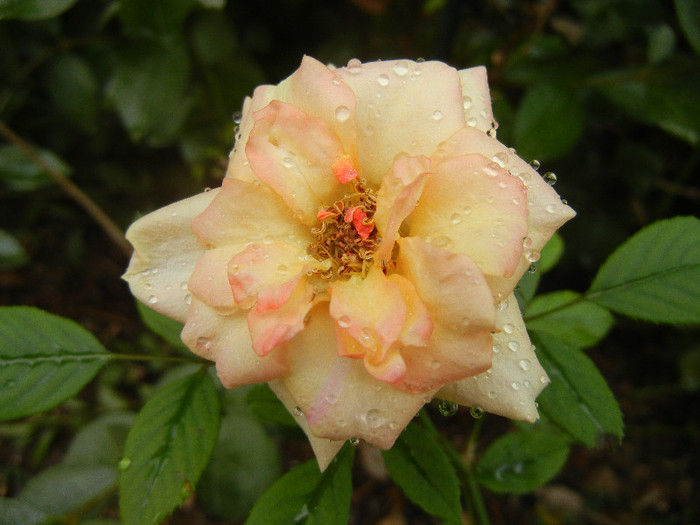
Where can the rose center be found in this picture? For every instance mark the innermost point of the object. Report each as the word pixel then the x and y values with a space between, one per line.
pixel 346 236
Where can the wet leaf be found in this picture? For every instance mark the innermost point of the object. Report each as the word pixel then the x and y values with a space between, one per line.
pixel 33 9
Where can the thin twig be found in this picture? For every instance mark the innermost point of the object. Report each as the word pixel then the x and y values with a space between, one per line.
pixel 74 192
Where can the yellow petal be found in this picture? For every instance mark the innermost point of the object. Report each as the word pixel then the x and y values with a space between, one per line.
pixel 226 340
pixel 403 107
pixel 470 205
pixel 293 152
pixel 509 388
pixel 165 253
pixel 476 98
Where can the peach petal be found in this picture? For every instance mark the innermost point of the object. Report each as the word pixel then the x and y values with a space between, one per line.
pixel 319 92
pixel 461 308
pixel 546 211
pixel 476 98
pixel 388 367
pixel 209 281
pixel 226 340
pixel 293 152
pixel 397 197
pixel 470 205
pixel 371 310
pixel 244 212
pixel 509 388
pixel 270 328
pixel 418 327
pixel 403 107
pixel 165 253
pixel 338 397
pixel 343 169
pixel 324 449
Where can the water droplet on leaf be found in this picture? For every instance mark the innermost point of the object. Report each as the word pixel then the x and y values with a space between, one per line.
pixel 448 408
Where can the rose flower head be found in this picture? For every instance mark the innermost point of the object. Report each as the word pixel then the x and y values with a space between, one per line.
pixel 361 253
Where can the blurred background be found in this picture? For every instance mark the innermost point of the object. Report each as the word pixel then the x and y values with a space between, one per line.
pixel 135 103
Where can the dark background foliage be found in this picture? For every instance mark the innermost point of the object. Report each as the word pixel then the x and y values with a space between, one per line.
pixel 135 103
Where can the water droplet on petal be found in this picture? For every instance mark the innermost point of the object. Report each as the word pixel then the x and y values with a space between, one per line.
pixel 492 395
pixel 532 255
pixel 298 411
pixel 524 364
pixel 535 164
pixel 188 298
pixel 374 418
pixel 331 399
pixel 437 115
pixel 550 208
pixel 401 69
pixel 513 346
pixel 448 408
pixel 236 117
pixel 354 441
pixel 354 66
pixel 342 113
pixel 152 299
pixel 502 306
pixel 183 285
pixel 344 321
pixel 544 380
pixel 550 178
pixel 442 241
pixel 476 412
pixel 203 343
pixel 456 218
pixel 527 242
pixel 515 385
pixel 467 101
pixel 383 79
pixel 508 328
pixel 532 269
pixel 471 122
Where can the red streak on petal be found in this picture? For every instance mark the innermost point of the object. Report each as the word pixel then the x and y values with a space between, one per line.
pixel 343 169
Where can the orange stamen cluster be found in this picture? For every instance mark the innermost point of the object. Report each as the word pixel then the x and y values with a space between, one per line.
pixel 346 236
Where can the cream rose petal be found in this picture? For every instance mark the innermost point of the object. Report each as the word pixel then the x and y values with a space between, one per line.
pixel 165 253
pixel 339 399
pixel 546 211
pixel 461 308
pixel 397 197
pixel 245 212
pixel 226 340
pixel 476 98
pixel 293 153
pixel 470 205
pixel 509 388
pixel 209 280
pixel 403 107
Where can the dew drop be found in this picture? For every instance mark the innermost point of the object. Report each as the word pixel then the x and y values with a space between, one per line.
pixel 124 463
pixel 515 385
pixel 152 299
pixel 442 241
pixel 148 286
pixel 513 346
pixel 500 158
pixel 492 395
pixel 550 178
pixel 237 116
pixel 342 113
pixel 188 298
pixel 456 218
pixel 527 242
pixel 401 69
pixel 467 210
pixel 383 80
pixel 550 208
pixel 344 321
pixel 354 66
pixel 524 364
pixel 471 122
pixel 203 343
pixel 532 269
pixel 508 328
pixel 448 408
pixel 354 441
pixel 374 418
pixel 467 101
pixel 532 255
pixel 183 285
pixel 298 411
pixel 437 115
pixel 502 306
pixel 331 399
pixel 476 412
pixel 544 380
pixel 535 164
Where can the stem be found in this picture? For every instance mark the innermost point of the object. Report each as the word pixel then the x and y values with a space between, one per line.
pixel 73 191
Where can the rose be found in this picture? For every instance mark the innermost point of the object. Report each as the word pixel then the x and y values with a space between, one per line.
pixel 361 253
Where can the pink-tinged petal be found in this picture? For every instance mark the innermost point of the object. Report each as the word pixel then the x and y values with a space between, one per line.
pixel 418 327
pixel 268 272
pixel 396 199
pixel 293 152
pixel 324 449
pixel 271 328
pixel 339 399
pixel 244 212
pixel 546 212
pixel 471 205
pixel 388 367
pixel 226 340
pixel 509 388
pixel 209 281
pixel 476 98
pixel 461 308
pixel 343 169
pixel 402 107
pixel 165 252
pixel 320 92
pixel 238 166
pixel 371 310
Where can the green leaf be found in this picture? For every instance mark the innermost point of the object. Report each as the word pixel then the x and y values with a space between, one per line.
pixel 148 89
pixel 286 500
pixel 522 461
pixel 572 320
pixel 303 495
pixel 167 449
pixel 551 253
pixel 44 360
pixel 423 471
pixel 169 329
pixel 244 464
pixel 12 254
pixel 101 441
pixel 266 406
pixel 14 511
pixel 74 91
pixel 33 9
pixel 688 12
pixel 329 503
pixel 155 18
pixel 578 400
pixel 548 122
pixel 21 173
pixel 662 40
pixel 654 275
pixel 62 489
